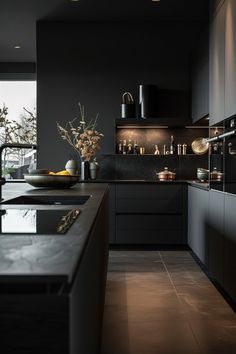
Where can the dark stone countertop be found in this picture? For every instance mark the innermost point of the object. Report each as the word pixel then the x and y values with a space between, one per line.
pixel 49 258
pixel 194 183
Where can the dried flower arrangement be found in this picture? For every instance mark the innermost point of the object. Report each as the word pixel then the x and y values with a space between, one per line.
pixel 82 137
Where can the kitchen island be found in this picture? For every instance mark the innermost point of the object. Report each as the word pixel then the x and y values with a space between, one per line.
pixel 52 286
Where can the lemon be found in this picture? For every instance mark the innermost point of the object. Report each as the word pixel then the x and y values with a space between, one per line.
pixel 63 173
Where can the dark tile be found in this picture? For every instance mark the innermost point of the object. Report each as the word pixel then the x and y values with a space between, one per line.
pixel 162 303
pixel 164 337
pixel 215 337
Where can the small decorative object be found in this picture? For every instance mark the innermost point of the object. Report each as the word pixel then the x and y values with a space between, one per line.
pixel 142 150
pixel 157 151
pixel 202 174
pixel 179 149
pixel 84 139
pixel 200 146
pixel 184 149
pixel 93 169
pixel 72 167
pixel 128 106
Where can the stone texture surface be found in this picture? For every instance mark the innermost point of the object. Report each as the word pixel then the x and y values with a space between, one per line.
pixel 161 302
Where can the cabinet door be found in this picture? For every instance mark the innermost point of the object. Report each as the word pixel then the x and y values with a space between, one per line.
pixel 149 199
pixel 216 235
pixel 198 203
pixel 200 78
pixel 230 246
pixel 230 58
pixel 217 66
pixel 112 213
pixel 149 229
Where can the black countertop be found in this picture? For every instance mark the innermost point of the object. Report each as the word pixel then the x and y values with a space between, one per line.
pixel 194 183
pixel 50 258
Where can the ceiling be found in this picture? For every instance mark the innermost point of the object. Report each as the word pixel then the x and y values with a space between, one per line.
pixel 18 18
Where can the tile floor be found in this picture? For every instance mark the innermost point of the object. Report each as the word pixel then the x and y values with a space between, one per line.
pixel 160 302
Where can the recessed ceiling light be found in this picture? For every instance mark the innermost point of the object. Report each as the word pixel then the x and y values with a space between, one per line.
pixel 17 46
pixel 74 0
pixel 156 0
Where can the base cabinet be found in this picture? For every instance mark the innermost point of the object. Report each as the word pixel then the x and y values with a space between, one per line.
pixel 150 214
pixel 52 317
pixel 216 235
pixel 198 206
pixel 212 234
pixel 230 246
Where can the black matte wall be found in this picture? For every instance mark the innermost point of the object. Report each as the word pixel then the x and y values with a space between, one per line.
pixel 94 63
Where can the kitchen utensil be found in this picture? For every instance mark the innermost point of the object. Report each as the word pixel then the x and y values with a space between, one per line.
pixel 216 175
pixel 202 174
pixel 51 181
pixel 165 175
pixel 200 146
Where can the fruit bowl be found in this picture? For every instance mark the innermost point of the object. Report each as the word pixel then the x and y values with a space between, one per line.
pixel 51 181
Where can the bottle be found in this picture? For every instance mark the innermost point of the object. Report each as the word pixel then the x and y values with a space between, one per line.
pixel 179 148
pixel 124 149
pixel 172 145
pixel 120 147
pixel 164 149
pixel 157 151
pixel 136 148
pixel 130 148
pixel 184 149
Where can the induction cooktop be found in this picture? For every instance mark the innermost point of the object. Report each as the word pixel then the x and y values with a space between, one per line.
pixel 36 222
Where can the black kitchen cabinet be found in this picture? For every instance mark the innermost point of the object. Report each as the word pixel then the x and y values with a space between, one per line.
pixel 150 214
pixel 112 213
pixel 200 78
pixel 46 314
pixel 198 206
pixel 217 66
pixel 230 58
pixel 216 235
pixel 230 246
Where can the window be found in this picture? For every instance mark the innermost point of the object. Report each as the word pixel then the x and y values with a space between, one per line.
pixel 18 124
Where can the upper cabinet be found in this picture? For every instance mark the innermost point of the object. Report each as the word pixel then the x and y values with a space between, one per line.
pixel 230 58
pixel 223 62
pixel 200 78
pixel 217 64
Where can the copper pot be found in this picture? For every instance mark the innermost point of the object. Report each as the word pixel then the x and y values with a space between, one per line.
pixel 166 175
pixel 216 175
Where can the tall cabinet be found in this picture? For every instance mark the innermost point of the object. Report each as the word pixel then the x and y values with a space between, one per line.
pixel 230 58
pixel 217 63
pixel 222 103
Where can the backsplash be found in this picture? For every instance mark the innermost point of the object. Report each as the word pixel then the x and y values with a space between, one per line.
pixel 144 166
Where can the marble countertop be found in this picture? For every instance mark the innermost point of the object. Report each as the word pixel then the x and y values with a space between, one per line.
pixel 50 258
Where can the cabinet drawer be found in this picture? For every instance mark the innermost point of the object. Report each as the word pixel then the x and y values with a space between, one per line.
pixel 146 229
pixel 149 199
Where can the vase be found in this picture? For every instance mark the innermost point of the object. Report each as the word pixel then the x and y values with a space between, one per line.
pixel 71 167
pixel 93 169
pixel 84 173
